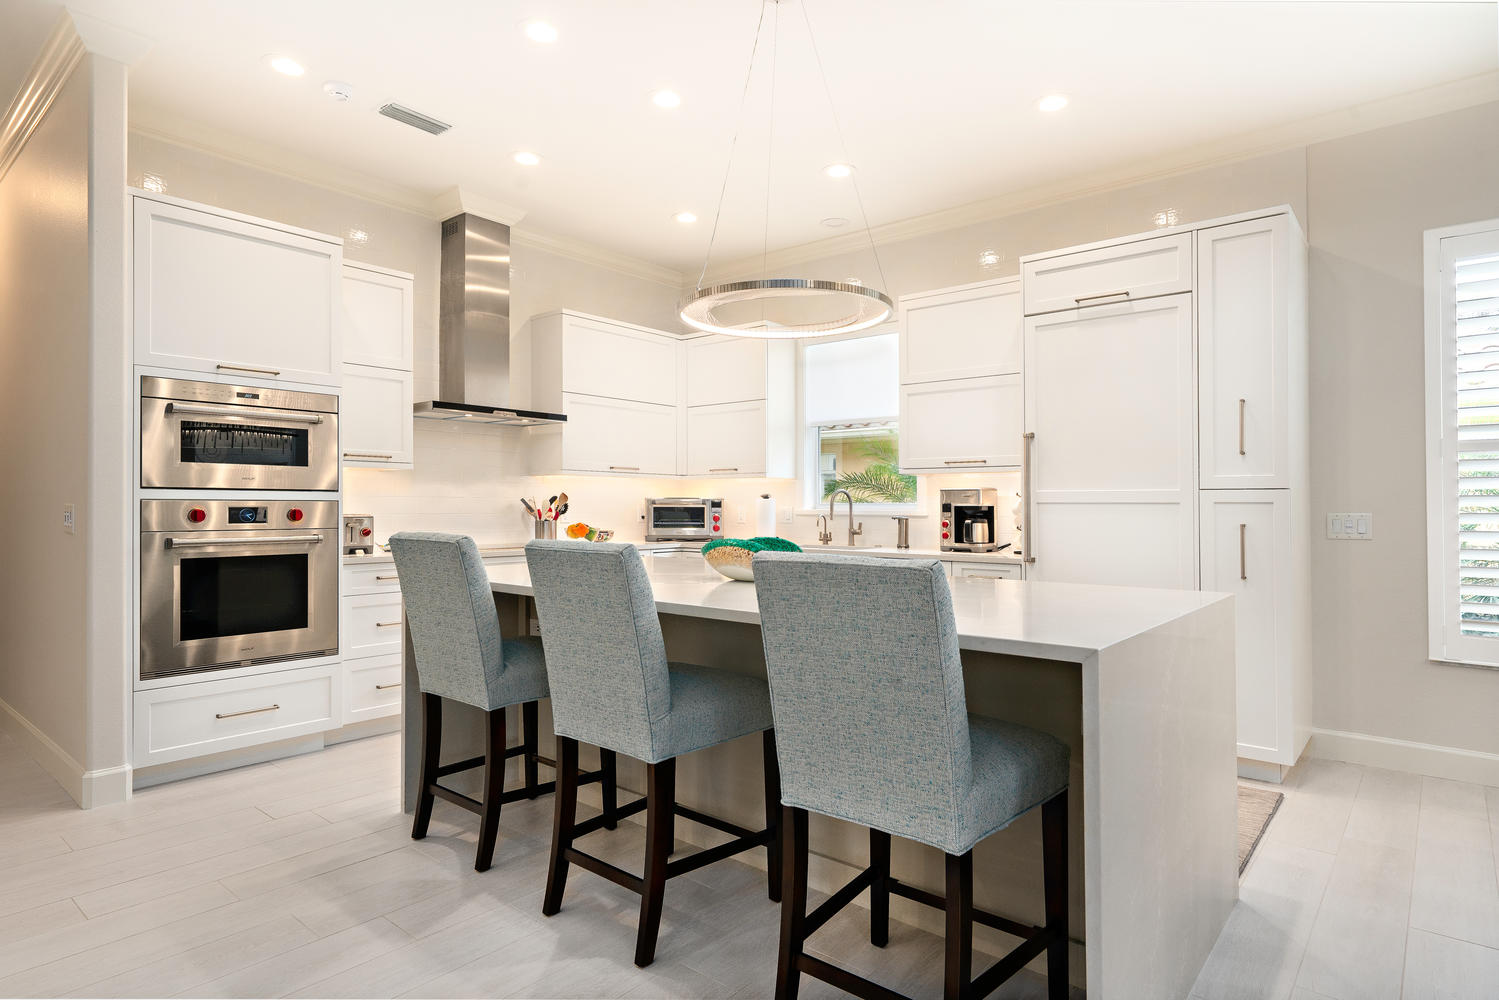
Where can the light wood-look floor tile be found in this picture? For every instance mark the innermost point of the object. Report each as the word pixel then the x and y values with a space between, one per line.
pixel 1440 968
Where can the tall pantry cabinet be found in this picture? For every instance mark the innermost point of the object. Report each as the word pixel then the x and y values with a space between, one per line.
pixel 1166 439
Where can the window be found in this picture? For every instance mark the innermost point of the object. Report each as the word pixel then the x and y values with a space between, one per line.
pixel 1462 445
pixel 850 401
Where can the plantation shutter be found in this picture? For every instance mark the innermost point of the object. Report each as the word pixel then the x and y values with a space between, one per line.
pixel 1468 320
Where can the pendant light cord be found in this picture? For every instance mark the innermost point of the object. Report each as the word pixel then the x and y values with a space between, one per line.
pixel 770 145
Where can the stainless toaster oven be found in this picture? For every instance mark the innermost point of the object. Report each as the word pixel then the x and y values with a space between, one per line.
pixel 683 519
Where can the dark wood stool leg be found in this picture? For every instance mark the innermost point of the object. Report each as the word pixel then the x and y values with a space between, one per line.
pixel 1054 849
pixel 494 790
pixel 609 788
pixel 528 727
pixel 660 811
pixel 793 827
pixel 564 816
pixel 772 814
pixel 431 749
pixel 879 889
pixel 958 982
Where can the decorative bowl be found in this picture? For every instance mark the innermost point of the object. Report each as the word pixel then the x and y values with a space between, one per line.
pixel 734 557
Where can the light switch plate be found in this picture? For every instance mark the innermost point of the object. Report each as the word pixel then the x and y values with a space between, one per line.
pixel 788 516
pixel 1359 527
pixel 67 519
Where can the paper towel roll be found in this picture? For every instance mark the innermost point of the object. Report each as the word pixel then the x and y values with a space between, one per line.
pixel 765 515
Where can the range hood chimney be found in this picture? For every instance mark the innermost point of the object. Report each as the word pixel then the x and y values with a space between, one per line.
pixel 473 360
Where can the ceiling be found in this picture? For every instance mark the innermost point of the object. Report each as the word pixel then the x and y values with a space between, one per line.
pixel 936 101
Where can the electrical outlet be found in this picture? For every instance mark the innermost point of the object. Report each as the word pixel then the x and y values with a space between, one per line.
pixel 67 519
pixel 739 516
pixel 1359 527
pixel 534 627
pixel 788 516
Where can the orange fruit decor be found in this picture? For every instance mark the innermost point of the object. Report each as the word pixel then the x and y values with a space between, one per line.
pixel 577 530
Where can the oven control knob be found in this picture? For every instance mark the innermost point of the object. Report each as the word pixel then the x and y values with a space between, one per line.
pixel 294 514
pixel 366 532
pixel 197 515
pixel 945 524
pixel 716 527
pixel 715 518
pixel 944 535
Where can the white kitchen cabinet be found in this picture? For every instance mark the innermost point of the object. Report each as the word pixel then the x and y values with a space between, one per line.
pixel 741 408
pixel 963 424
pixel 1122 271
pixel 1249 550
pixel 379 313
pixel 726 439
pixel 1252 353
pixel 375 418
pixel 371 624
pixel 577 354
pixel 725 370
pixel 618 436
pixel 966 332
pixel 1110 395
pixel 230 295
pixel 996 571
pixel 372 688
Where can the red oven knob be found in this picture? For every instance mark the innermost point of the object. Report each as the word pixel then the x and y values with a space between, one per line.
pixel 716 528
pixel 715 518
pixel 366 532
pixel 196 515
pixel 944 535
pixel 294 514
pixel 945 524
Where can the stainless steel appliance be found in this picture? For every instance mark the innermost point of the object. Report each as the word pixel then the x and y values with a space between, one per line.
pixel 683 519
pixel 230 583
pixel 205 435
pixel 968 518
pixel 359 534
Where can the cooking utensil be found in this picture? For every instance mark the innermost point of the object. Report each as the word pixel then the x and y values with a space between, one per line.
pixel 529 508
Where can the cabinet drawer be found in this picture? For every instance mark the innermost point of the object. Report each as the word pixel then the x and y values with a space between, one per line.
pixel 371 578
pixel 1145 268
pixel 372 688
pixel 969 423
pixel 371 625
pixel 191 720
pixel 996 571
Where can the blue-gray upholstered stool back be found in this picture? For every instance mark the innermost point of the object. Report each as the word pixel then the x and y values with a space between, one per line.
pixel 455 630
pixel 871 722
pixel 607 660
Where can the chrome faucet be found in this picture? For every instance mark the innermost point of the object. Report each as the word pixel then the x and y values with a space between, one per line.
pixel 824 529
pixel 852 531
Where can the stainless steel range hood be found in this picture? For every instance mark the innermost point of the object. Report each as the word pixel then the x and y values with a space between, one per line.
pixel 473 360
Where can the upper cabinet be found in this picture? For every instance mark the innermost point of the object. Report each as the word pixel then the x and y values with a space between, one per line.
pixel 1118 272
pixel 229 295
pixel 725 370
pixel 966 332
pixel 740 407
pixel 378 316
pixel 376 419
pixel 1251 353
pixel 961 405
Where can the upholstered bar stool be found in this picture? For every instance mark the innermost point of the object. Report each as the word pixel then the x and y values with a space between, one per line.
pixel 460 656
pixel 872 727
pixel 613 687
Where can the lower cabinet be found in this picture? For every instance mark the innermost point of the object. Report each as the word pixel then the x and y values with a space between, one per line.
pixel 966 423
pixel 375 417
pixel 996 571
pixel 192 720
pixel 371 625
pixel 1248 549
pixel 372 688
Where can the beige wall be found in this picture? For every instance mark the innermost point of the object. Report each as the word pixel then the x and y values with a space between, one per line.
pixel 44 392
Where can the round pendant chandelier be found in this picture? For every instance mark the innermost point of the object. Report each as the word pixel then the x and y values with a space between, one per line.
pixel 783 307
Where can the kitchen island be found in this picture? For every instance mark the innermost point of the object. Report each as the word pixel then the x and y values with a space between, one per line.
pixel 1140 684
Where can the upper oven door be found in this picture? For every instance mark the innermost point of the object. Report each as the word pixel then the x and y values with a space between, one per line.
pixel 189 444
pixel 218 599
pixel 679 517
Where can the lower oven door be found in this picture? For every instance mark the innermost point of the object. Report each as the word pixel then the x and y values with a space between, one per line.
pixel 211 600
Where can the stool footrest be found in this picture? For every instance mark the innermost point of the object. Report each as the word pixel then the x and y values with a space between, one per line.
pixel 839 900
pixel 522 792
pixel 461 765
pixel 722 825
pixel 707 856
pixel 600 821
pixel 457 798
pixel 848 982
pixel 1014 927
pixel 618 876
pixel 991 978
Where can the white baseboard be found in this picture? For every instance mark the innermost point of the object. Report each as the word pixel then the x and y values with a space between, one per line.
pixel 224 760
pixel 108 786
pixel 1403 755
pixel 54 759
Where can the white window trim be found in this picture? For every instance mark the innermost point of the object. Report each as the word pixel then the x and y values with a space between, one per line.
pixel 1445 644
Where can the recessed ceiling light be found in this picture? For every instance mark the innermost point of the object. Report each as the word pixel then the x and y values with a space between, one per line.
pixel 526 159
pixel 838 171
pixel 287 65
pixel 835 222
pixel 685 217
pixel 540 31
pixel 1052 102
pixel 666 99
pixel 990 258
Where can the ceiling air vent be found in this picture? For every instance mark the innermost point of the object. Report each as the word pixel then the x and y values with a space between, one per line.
pixel 415 119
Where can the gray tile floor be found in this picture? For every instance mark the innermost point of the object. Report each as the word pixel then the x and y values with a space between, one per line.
pixel 299 878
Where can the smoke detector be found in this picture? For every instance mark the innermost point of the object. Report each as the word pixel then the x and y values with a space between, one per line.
pixel 338 90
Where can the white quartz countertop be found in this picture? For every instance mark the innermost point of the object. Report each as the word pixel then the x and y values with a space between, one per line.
pixel 1054 621
pixel 502 550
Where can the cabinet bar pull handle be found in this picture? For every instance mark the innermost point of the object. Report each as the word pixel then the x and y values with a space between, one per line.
pixel 387 687
pixel 733 468
pixel 1103 295
pixel 624 468
pixel 225 367
pixel 1027 531
pixel 388 576
pixel 388 624
pixel 259 414
pixel 387 456
pixel 1243 573
pixel 963 461
pixel 1241 427
pixel 248 711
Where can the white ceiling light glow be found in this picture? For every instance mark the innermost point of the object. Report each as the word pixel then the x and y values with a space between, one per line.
pixel 785 308
pixel 286 65
pixel 541 32
pixel 686 218
pixel 526 159
pixel 1052 102
pixel 666 99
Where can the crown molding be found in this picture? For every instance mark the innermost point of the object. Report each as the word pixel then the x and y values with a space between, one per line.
pixel 59 56
pixel 1452 96
pixel 111 41
pixel 585 253
pixel 458 200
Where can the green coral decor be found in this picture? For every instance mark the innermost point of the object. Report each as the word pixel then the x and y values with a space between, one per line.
pixel 734 557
